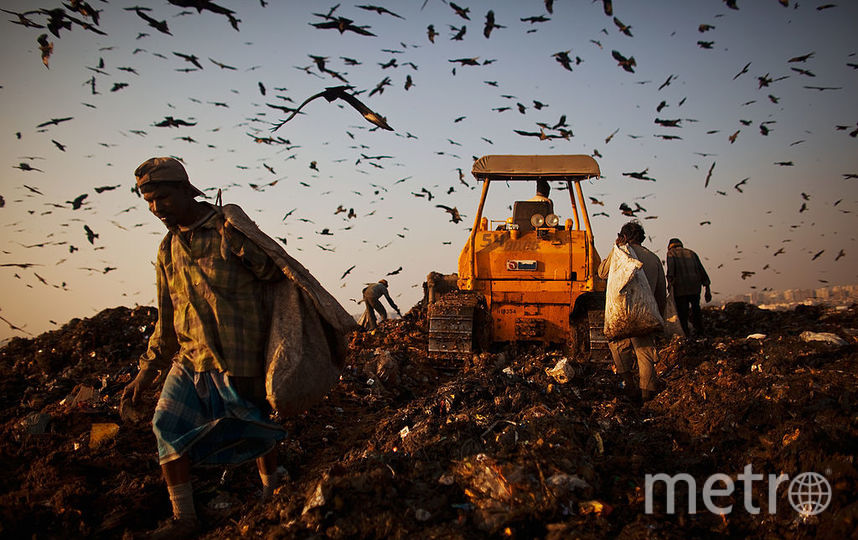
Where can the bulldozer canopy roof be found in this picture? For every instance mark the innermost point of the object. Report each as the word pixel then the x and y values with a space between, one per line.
pixel 555 167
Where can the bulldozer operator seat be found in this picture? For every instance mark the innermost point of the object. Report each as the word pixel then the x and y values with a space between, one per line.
pixel 523 210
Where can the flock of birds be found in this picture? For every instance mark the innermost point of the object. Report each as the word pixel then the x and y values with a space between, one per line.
pixel 51 24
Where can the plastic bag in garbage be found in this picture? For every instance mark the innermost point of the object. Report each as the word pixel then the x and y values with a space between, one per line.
pixel 823 337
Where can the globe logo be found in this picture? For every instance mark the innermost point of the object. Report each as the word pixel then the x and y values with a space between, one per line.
pixel 809 493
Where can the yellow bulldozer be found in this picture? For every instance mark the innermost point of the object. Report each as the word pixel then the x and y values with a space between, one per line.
pixel 525 277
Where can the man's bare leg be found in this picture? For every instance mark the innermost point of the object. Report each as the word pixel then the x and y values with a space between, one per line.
pixel 267 466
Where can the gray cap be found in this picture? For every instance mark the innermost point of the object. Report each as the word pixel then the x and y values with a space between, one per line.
pixel 164 169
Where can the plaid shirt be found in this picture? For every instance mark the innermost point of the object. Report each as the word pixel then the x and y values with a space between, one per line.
pixel 212 313
pixel 685 272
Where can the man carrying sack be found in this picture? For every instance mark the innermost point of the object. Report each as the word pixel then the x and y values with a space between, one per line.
pixel 634 308
pixel 223 340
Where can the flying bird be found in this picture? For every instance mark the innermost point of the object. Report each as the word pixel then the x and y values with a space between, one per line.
pixel 709 175
pixel 625 63
pixel 192 58
pixel 55 121
pixel 490 24
pixel 380 10
pixel 563 59
pixel 45 48
pixel 640 175
pixel 455 217
pixel 340 92
pixel 347 272
pixel 802 58
pixel 742 72
pixel 343 25
pixel 460 11
pixel 210 6
pixel 90 235
pixel 169 121
pixel 625 29
pixel 26 167
pixel 222 65
pixel 78 201
pixel 160 26
pixel 460 32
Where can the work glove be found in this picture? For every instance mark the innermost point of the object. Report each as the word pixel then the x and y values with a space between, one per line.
pixel 132 395
pixel 707 295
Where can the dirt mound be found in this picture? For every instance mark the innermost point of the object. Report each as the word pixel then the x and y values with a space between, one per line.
pixel 491 445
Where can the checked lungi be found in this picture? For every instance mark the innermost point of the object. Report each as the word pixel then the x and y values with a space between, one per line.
pixel 202 415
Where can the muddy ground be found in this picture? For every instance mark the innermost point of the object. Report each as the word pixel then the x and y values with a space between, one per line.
pixel 488 446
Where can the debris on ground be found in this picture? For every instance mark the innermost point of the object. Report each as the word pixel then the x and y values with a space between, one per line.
pixel 518 442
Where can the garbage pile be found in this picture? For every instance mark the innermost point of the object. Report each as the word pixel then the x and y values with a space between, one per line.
pixel 520 442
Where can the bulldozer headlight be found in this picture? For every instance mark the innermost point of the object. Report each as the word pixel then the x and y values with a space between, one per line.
pixel 552 220
pixel 537 220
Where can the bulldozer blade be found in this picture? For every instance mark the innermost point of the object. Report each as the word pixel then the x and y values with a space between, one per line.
pixel 451 324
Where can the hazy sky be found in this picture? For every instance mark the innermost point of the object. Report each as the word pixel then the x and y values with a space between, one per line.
pixel 798 196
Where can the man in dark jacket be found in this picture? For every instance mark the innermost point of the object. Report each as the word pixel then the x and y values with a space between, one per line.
pixel 685 277
pixel 641 348
pixel 372 295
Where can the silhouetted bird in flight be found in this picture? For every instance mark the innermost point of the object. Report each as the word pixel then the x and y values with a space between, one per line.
pixel 343 25
pixel 200 5
pixel 339 92
pixel 625 63
pixel 490 24
pixel 380 10
pixel 160 26
pixel 460 11
pixel 169 121
pixel 454 212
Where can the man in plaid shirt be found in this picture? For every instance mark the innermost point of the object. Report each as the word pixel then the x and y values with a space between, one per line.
pixel 685 277
pixel 210 336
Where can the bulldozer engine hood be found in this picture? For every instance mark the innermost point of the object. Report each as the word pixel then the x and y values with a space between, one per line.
pixel 518 167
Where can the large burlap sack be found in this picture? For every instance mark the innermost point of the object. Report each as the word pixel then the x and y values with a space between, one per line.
pixel 305 354
pixel 630 307
pixel 308 336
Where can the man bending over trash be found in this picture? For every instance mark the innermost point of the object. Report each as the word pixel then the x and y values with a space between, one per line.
pixel 216 274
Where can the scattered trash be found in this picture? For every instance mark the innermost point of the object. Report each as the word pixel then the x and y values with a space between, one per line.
pixel 567 482
pixel 318 497
pixel 594 507
pixel 81 394
pixel 101 432
pixel 446 479
pixel 562 372
pixel 756 336
pixel 823 337
pixel 35 423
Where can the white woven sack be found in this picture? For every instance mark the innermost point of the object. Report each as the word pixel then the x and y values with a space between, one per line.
pixel 630 307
